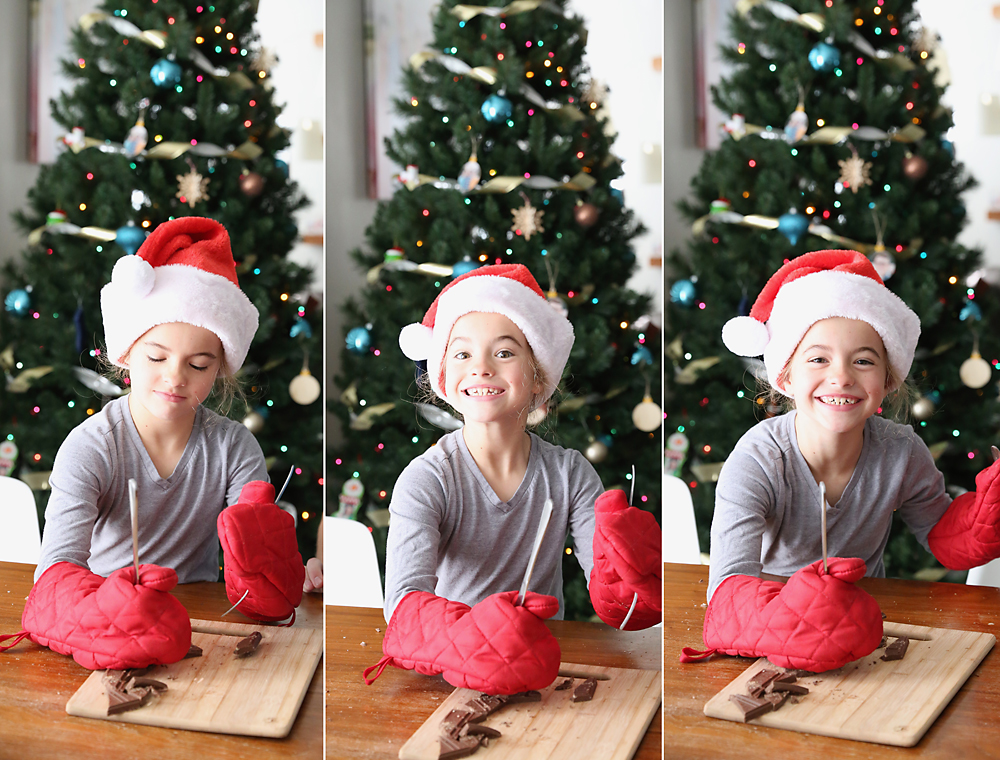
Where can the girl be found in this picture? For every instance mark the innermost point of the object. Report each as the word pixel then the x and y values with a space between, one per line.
pixel 835 341
pixel 177 321
pixel 464 514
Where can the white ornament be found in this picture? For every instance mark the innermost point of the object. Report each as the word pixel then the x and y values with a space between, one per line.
pixel 75 139
pixel 647 416
pixel 736 127
pixel 975 371
pixel 304 388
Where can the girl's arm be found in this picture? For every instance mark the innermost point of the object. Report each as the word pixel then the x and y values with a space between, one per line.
pixel 585 488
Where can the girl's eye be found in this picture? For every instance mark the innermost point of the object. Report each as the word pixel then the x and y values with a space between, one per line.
pixel 195 366
pixel 162 359
pixel 462 355
pixel 504 353
pixel 816 360
pixel 867 362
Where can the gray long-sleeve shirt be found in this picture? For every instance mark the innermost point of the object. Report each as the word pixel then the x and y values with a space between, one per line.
pixel 88 520
pixel 451 535
pixel 767 516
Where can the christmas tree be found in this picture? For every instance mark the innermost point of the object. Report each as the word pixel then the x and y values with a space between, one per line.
pixel 837 140
pixel 170 115
pixel 507 161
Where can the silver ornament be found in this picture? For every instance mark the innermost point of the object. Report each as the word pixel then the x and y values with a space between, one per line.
pixel 97 382
pixel 596 452
pixel 438 417
pixel 923 408
pixel 254 422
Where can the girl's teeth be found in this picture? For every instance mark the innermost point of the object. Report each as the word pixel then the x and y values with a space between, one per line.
pixel 482 391
pixel 838 401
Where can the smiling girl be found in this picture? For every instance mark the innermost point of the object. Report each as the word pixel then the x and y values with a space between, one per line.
pixel 464 514
pixel 835 343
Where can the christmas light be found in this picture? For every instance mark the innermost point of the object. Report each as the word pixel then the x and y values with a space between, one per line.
pixel 199 39
pixel 305 515
pixel 499 56
pixel 298 470
pixel 284 449
pixel 90 175
pixel 83 207
pixel 752 163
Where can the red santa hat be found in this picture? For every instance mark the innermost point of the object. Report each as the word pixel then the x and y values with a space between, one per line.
pixel 817 286
pixel 183 272
pixel 507 289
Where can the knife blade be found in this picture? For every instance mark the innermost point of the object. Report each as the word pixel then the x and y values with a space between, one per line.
pixel 133 501
pixel 822 512
pixel 539 535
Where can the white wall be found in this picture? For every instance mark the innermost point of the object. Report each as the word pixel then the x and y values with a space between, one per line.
pixel 970 38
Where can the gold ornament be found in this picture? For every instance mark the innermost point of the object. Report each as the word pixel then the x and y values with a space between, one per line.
pixel 527 219
pixel 191 187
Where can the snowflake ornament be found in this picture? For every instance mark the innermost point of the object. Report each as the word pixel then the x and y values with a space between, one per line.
pixel 854 172
pixel 192 188
pixel 527 220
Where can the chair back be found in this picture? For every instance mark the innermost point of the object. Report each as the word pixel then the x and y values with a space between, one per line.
pixel 350 565
pixel 680 535
pixel 20 536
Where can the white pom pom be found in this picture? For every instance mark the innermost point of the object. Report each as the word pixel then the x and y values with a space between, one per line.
pixel 415 341
pixel 745 336
pixel 133 276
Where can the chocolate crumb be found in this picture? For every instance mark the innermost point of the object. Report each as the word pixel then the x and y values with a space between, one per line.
pixel 194 651
pixel 246 647
pixel 564 685
pixel 585 691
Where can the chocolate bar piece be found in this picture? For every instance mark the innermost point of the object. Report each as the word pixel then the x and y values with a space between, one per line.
pixel 194 651
pixel 451 748
pixel 146 681
pixel 757 684
pixel 776 698
pixel 246 647
pixel 120 701
pixel 585 691
pixel 750 706
pixel 524 696
pixel 564 685
pixel 786 677
pixel 485 731
pixel 454 721
pixel 791 688
pixel 896 649
pixel 483 705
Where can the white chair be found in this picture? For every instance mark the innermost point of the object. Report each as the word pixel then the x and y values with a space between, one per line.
pixel 680 536
pixel 350 566
pixel 20 538
pixel 985 575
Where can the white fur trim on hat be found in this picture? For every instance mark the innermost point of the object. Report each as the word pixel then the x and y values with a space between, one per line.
pixel 140 297
pixel 549 334
pixel 803 302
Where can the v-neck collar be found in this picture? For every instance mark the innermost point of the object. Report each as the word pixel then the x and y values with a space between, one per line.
pixel 147 462
pixel 484 484
pixel 804 466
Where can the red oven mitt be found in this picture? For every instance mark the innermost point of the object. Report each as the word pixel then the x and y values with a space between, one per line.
pixel 108 622
pixel 817 621
pixel 968 534
pixel 261 555
pixel 493 647
pixel 627 561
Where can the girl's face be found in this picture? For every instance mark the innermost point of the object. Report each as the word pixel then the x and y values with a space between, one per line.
pixel 172 368
pixel 488 375
pixel 837 375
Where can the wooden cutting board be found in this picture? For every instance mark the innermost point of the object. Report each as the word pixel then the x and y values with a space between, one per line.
pixel 609 727
pixel 259 695
pixel 872 700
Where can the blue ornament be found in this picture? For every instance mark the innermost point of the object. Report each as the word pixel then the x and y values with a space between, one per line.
pixel 300 327
pixel 18 302
pixel 130 238
pixel 948 146
pixel 281 166
pixel 793 225
pixel 618 195
pixel 165 73
pixel 824 57
pixel 683 293
pixel 497 109
pixel 606 439
pixel 464 266
pixel 971 311
pixel 359 340
pixel 640 355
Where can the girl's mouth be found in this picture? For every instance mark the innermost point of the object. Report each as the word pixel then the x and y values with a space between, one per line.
pixel 839 400
pixel 482 391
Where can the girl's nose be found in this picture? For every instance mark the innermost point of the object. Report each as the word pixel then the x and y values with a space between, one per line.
pixel 841 374
pixel 174 374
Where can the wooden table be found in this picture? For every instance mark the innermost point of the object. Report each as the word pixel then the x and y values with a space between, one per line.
pixel 968 728
pixel 375 721
pixel 36 683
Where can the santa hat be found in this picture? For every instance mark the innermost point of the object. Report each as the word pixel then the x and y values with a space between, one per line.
pixel 183 272
pixel 507 289
pixel 816 286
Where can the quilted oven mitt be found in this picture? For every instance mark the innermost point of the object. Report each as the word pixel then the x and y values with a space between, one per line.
pixel 108 622
pixel 968 533
pixel 493 647
pixel 627 561
pixel 817 621
pixel 261 554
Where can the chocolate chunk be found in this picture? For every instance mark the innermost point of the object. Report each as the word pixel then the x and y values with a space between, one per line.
pixel 246 647
pixel 452 748
pixel 477 730
pixel 585 691
pixel 896 649
pixel 791 688
pixel 453 722
pixel 776 698
pixel 883 642
pixel 120 701
pixel 750 707
pixel 482 706
pixel 115 679
pixel 152 683
pixel 194 651
pixel 564 685
pixel 524 696
pixel 787 677
pixel 757 684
